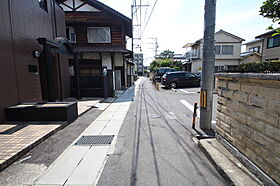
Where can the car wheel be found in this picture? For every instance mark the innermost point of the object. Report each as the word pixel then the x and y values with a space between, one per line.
pixel 173 85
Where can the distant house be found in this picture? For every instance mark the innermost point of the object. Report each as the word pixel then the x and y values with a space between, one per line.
pixel 266 45
pixel 98 33
pixel 227 50
pixel 139 62
pixel 34 53
pixel 248 57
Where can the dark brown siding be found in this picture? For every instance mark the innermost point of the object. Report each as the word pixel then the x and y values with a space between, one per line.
pixel 8 84
pixel 21 23
pixel 82 20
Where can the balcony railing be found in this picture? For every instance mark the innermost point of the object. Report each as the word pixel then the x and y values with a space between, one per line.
pixel 191 55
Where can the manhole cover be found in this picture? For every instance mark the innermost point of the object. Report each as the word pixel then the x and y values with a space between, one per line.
pixel 154 116
pixel 95 140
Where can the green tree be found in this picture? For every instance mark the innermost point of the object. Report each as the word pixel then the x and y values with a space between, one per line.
pixel 166 63
pixel 166 54
pixel 165 59
pixel 271 9
pixel 157 63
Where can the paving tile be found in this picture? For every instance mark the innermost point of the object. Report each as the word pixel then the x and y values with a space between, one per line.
pixel 89 168
pixel 64 166
pixel 112 128
pixel 3 128
pixel 96 127
pixel 14 143
pixel 106 115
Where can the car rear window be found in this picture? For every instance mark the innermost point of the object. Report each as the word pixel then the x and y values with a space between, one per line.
pixel 177 75
pixel 160 70
pixel 190 75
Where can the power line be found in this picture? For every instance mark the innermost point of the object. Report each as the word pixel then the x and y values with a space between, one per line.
pixel 149 18
pixel 146 12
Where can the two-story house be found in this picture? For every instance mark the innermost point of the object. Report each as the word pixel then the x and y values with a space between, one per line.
pixel 33 53
pixel 227 50
pixel 98 33
pixel 267 45
pixel 253 51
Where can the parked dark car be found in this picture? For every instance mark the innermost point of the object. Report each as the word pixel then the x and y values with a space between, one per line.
pixel 161 71
pixel 180 79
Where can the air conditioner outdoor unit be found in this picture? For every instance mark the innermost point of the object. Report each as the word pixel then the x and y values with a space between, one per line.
pixel 222 68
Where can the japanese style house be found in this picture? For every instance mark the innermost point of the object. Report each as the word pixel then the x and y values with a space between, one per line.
pixel 98 33
pixel 34 53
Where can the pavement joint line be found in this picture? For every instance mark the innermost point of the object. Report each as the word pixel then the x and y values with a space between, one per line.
pixel 109 120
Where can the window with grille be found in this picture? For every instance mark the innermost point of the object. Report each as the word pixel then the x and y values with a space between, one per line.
pixel 99 35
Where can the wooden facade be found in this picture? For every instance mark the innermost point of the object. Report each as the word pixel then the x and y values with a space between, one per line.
pixel 80 15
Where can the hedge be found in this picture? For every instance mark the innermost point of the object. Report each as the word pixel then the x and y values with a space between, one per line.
pixel 267 66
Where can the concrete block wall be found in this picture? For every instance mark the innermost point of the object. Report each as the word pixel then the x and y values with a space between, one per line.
pixel 248 117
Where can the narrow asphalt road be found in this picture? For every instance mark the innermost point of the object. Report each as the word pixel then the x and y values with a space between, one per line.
pixel 155 144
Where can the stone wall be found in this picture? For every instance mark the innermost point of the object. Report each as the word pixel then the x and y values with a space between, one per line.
pixel 248 117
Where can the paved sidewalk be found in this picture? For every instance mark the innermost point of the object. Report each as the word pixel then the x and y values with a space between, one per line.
pixel 81 165
pixel 17 138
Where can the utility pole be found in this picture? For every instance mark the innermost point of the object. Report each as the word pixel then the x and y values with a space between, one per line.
pixel 156 46
pixel 132 28
pixel 134 9
pixel 208 65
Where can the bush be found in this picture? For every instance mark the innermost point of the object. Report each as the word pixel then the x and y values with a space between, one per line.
pixel 271 66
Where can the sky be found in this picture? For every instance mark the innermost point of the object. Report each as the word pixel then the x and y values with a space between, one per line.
pixel 178 22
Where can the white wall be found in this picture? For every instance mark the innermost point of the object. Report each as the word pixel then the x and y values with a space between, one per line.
pixel 118 59
pixel 255 44
pixel 196 65
pixel 91 56
pixel 106 60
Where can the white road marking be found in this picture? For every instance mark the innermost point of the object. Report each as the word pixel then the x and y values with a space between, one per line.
pixel 191 107
pixel 187 92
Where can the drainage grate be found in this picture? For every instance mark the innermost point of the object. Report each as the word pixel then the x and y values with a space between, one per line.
pixel 95 140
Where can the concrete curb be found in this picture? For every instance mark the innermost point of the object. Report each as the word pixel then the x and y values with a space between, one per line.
pixel 215 164
pixel 256 171
pixel 228 166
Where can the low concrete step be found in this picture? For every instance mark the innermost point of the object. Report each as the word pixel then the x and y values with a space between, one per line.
pixel 50 111
pixel 226 164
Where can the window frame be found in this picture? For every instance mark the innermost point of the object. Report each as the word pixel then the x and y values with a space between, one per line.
pixel 268 39
pixel 71 34
pixel 221 47
pixel 224 46
pixel 252 49
pixel 216 52
pixel 99 41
